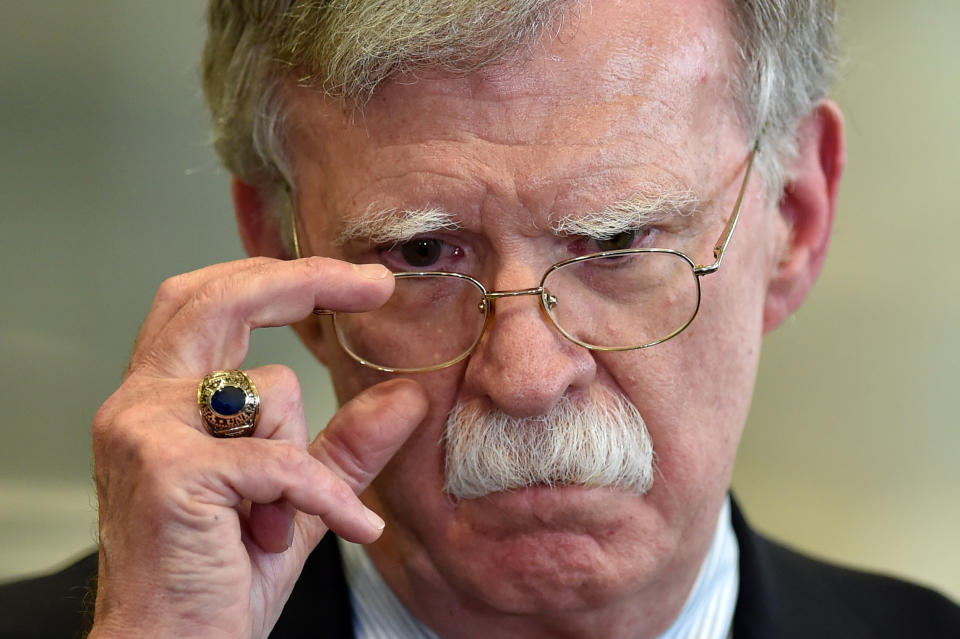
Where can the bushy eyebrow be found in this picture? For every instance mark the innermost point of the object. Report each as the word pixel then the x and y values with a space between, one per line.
pixel 393 226
pixel 627 215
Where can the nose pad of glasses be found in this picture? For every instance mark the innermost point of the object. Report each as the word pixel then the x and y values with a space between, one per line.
pixel 482 306
pixel 549 300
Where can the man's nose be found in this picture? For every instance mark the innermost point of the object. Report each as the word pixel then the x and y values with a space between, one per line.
pixel 522 364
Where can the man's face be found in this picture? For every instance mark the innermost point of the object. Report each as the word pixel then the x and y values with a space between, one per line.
pixel 630 100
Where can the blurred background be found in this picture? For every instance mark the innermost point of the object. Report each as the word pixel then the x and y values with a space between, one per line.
pixel 108 186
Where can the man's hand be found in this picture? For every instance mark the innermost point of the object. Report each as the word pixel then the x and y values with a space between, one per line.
pixel 206 537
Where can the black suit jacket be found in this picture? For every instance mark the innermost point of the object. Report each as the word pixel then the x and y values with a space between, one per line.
pixel 783 595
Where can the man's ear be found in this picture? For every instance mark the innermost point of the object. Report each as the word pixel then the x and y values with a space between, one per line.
pixel 258 225
pixel 261 235
pixel 807 207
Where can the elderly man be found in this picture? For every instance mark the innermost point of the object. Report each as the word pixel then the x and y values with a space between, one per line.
pixel 540 244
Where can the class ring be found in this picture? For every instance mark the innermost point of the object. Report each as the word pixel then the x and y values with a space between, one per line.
pixel 229 404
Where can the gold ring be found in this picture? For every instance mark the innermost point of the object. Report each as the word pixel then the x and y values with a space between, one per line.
pixel 229 404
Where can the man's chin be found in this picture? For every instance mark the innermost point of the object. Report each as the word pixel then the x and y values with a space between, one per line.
pixel 558 548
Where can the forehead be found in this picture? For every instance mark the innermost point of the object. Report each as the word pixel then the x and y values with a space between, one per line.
pixel 624 97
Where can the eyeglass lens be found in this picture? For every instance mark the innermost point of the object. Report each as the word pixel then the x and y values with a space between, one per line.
pixel 623 301
pixel 428 321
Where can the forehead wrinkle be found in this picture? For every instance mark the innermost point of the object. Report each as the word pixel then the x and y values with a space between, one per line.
pixel 393 225
pixel 629 214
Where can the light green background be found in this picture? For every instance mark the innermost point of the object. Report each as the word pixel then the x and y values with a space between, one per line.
pixel 108 186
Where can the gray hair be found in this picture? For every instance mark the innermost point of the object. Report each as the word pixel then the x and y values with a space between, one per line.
pixel 788 53
pixel 347 48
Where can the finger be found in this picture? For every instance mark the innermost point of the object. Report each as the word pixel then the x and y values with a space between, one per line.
pixel 275 472
pixel 281 402
pixel 360 440
pixel 367 431
pixel 281 405
pixel 272 525
pixel 158 451
pixel 175 291
pixel 357 443
pixel 211 330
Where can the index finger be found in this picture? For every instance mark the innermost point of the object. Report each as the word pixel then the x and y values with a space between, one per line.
pixel 211 330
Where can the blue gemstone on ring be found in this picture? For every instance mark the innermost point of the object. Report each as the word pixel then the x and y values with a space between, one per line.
pixel 229 400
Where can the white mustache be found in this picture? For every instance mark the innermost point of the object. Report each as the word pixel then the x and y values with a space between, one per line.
pixel 603 442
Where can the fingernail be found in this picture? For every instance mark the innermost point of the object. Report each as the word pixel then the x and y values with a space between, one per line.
pixel 371 271
pixel 375 520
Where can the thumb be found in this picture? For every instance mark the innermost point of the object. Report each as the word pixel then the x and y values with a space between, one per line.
pixel 367 431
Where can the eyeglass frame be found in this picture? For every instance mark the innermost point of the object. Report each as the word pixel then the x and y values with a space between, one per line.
pixel 547 301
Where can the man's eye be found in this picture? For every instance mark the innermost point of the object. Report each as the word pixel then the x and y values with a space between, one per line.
pixel 421 253
pixel 619 241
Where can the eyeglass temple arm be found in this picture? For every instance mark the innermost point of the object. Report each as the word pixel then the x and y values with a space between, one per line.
pixel 295 239
pixel 721 246
pixel 294 231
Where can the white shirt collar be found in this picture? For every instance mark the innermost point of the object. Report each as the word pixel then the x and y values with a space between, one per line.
pixel 707 614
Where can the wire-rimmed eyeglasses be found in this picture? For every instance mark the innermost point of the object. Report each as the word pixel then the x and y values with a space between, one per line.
pixel 615 300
